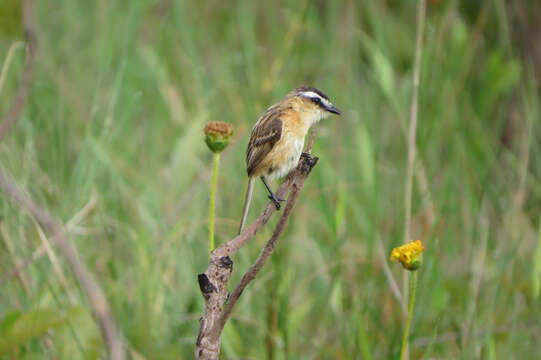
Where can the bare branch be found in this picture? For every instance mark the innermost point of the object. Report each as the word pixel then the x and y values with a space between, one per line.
pixel 271 244
pixel 98 302
pixel 232 246
pixel 213 283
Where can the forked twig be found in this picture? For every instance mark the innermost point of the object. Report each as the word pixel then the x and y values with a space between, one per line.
pixel 213 282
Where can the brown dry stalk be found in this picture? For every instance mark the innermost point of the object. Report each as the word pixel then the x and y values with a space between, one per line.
pixel 98 302
pixel 54 228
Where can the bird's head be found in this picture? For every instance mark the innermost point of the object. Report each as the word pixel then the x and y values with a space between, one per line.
pixel 313 103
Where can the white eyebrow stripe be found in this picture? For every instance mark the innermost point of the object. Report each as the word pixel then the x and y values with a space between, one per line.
pixel 311 94
pixel 314 95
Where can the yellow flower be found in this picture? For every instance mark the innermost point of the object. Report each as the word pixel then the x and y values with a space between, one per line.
pixel 409 255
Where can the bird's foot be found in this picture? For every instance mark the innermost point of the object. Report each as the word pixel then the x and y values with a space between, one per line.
pixel 276 201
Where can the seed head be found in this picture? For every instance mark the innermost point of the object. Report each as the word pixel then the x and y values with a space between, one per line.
pixel 217 134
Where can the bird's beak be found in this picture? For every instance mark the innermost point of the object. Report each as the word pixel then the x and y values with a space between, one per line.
pixel 333 110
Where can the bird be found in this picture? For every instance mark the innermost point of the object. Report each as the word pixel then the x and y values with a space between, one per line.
pixel 277 139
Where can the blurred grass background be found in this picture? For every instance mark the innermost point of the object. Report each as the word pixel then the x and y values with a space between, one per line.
pixel 111 142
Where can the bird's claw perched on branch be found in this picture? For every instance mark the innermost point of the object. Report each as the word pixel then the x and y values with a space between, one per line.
pixel 276 201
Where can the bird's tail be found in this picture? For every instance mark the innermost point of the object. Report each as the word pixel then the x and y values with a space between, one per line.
pixel 247 201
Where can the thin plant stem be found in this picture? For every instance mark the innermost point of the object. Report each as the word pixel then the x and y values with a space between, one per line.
pixel 212 205
pixel 404 353
pixel 412 130
pixel 111 334
pixel 7 62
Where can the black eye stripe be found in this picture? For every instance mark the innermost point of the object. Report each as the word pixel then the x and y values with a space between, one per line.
pixel 316 100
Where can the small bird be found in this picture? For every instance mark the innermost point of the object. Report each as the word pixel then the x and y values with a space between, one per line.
pixel 277 138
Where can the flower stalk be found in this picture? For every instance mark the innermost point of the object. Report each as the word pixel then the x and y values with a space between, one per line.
pixel 217 135
pixel 411 304
pixel 410 256
pixel 212 205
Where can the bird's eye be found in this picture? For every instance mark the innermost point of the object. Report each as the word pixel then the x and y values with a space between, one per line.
pixel 316 100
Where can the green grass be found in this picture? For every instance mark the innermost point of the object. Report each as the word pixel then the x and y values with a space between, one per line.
pixel 119 100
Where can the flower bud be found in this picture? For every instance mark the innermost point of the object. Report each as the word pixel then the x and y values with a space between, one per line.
pixel 217 134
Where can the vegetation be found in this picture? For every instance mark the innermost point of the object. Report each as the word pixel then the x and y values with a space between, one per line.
pixel 111 142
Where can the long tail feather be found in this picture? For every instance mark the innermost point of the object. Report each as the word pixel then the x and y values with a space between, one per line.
pixel 247 202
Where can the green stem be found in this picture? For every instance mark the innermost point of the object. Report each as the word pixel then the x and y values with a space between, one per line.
pixel 212 206
pixel 7 62
pixel 404 353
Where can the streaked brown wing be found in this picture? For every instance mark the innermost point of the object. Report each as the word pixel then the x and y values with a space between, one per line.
pixel 266 132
